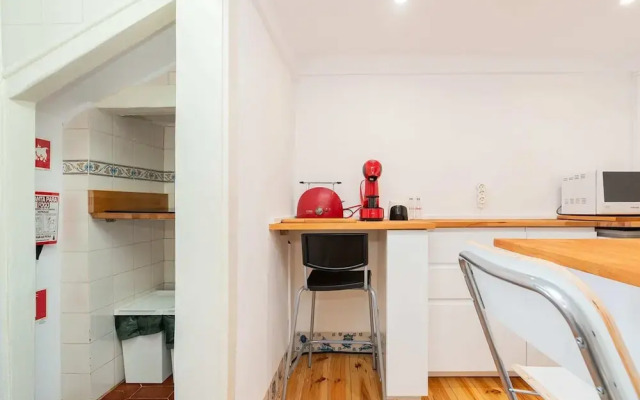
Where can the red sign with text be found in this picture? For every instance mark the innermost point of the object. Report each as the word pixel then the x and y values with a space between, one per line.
pixel 41 304
pixel 43 154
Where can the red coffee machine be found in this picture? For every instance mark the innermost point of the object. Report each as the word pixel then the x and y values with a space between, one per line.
pixel 370 198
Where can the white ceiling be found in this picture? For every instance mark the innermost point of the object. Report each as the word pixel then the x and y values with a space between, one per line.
pixel 568 29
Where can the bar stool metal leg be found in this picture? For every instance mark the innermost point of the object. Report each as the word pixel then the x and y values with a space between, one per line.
pixel 287 371
pixel 374 298
pixel 313 312
pixel 373 332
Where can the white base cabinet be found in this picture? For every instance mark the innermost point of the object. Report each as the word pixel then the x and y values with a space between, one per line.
pixel 456 341
pixel 534 357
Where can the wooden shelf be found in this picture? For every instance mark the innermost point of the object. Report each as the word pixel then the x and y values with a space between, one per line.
pixel 114 205
pixel 123 215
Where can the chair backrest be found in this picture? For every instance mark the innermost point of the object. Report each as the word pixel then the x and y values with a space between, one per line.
pixel 335 251
pixel 556 312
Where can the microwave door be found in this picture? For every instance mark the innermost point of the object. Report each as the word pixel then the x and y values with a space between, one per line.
pixel 619 192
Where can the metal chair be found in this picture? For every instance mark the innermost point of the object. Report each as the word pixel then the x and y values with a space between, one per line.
pixel 553 310
pixel 337 262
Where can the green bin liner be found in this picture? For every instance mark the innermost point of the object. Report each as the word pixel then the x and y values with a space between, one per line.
pixel 169 322
pixel 131 326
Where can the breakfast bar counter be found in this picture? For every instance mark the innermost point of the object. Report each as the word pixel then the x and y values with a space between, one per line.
pixel 615 259
pixel 319 224
pixel 610 267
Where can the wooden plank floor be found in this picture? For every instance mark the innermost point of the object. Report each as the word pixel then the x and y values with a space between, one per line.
pixel 351 377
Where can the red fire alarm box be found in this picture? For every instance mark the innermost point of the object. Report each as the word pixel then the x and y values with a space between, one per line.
pixel 43 154
pixel 41 304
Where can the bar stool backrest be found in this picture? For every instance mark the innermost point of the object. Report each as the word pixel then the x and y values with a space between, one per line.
pixel 334 252
pixel 556 312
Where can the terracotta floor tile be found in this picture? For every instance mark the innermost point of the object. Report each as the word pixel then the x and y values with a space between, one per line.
pixel 128 388
pixel 167 382
pixel 147 391
pixel 115 395
pixel 153 392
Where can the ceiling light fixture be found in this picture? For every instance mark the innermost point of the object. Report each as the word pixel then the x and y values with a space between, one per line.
pixel 627 2
pixel 404 1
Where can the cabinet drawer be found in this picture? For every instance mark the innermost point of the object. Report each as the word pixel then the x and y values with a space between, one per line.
pixel 457 342
pixel 446 244
pixel 446 281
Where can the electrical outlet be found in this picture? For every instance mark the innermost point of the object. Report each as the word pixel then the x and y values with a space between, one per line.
pixel 481 195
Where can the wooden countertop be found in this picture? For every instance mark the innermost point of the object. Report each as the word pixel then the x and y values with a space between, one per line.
pixel 352 224
pixel 617 259
pixel 508 223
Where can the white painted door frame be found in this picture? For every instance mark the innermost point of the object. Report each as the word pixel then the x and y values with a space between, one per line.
pixel 204 350
pixel 17 245
pixel 17 248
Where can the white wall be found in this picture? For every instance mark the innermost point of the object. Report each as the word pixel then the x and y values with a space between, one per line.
pixel 438 136
pixel 32 26
pixel 636 128
pixel 263 163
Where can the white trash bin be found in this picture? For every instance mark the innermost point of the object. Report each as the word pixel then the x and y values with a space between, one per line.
pixel 146 358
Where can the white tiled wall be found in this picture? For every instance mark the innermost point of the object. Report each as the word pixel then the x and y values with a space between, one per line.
pixel 29 27
pixel 169 253
pixel 106 264
pixel 98 136
pixel 170 161
pixel 169 228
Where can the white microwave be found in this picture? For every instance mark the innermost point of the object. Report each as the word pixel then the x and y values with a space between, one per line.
pixel 602 193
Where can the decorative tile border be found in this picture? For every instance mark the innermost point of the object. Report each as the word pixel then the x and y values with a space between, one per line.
pixel 277 382
pixel 72 167
pixel 83 167
pixel 302 337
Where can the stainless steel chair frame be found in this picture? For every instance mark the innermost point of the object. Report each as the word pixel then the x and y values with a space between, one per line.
pixel 590 349
pixel 375 342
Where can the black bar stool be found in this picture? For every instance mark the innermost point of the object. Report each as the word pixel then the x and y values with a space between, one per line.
pixel 338 261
